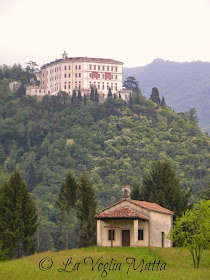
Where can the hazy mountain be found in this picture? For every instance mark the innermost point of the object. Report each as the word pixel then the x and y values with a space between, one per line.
pixel 185 85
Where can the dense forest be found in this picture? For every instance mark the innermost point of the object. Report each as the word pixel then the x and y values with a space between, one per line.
pixel 114 141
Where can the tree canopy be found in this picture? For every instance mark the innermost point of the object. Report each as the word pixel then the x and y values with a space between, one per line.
pixel 192 230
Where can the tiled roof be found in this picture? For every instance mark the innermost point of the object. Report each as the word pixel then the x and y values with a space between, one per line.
pixel 147 205
pixel 89 59
pixel 122 213
pixel 84 59
pixel 151 206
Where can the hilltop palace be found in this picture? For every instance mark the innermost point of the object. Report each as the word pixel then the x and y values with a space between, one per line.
pixel 82 73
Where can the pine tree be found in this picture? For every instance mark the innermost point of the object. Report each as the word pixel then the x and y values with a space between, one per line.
pixel 96 99
pixel 86 212
pixel 79 95
pixel 3 252
pixel 66 202
pixel 130 83
pixel 162 186
pixel 155 96
pixel 109 93
pixel 18 217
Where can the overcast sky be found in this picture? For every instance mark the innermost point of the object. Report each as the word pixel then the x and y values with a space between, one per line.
pixel 134 32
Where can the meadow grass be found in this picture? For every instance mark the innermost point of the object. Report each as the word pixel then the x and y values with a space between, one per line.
pixel 178 261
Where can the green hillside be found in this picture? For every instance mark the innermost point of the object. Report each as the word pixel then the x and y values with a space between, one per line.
pixel 175 263
pixel 184 84
pixel 114 141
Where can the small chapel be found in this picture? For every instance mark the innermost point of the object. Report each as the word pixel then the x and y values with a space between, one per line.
pixel 134 223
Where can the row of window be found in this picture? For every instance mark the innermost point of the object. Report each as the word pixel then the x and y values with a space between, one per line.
pixel 65 68
pixel 103 86
pixel 53 70
pixel 76 75
pixel 56 78
pixel 78 67
pixel 106 76
pixel 79 85
pixel 93 67
pixel 140 234
pixel 40 91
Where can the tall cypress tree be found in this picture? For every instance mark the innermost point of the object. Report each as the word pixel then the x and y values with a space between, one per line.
pixel 138 98
pixel 130 100
pixel 74 96
pixel 155 96
pixel 18 217
pixel 96 96
pixel 109 93
pixel 163 102
pixel 79 95
pixel 85 99
pixel 31 178
pixel 92 94
pixel 86 212
pixel 66 202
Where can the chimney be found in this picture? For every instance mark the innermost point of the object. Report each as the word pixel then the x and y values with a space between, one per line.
pixel 64 55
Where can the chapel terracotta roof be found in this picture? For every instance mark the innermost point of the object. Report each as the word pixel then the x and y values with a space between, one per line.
pixel 152 206
pixel 147 205
pixel 122 213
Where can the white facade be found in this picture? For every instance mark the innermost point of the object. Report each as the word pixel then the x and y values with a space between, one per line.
pixel 67 74
pixel 153 224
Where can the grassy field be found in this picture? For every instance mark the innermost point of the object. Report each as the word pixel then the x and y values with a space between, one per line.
pixel 108 263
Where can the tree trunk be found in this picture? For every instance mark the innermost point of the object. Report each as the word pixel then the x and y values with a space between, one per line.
pixel 198 257
pixel 18 249
pixel 38 240
pixel 192 253
pixel 38 223
pixel 198 261
pixel 67 232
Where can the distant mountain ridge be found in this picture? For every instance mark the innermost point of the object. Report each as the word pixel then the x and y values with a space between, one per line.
pixel 184 84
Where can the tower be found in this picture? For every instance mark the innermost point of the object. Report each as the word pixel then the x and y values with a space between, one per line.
pixel 64 55
pixel 126 191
